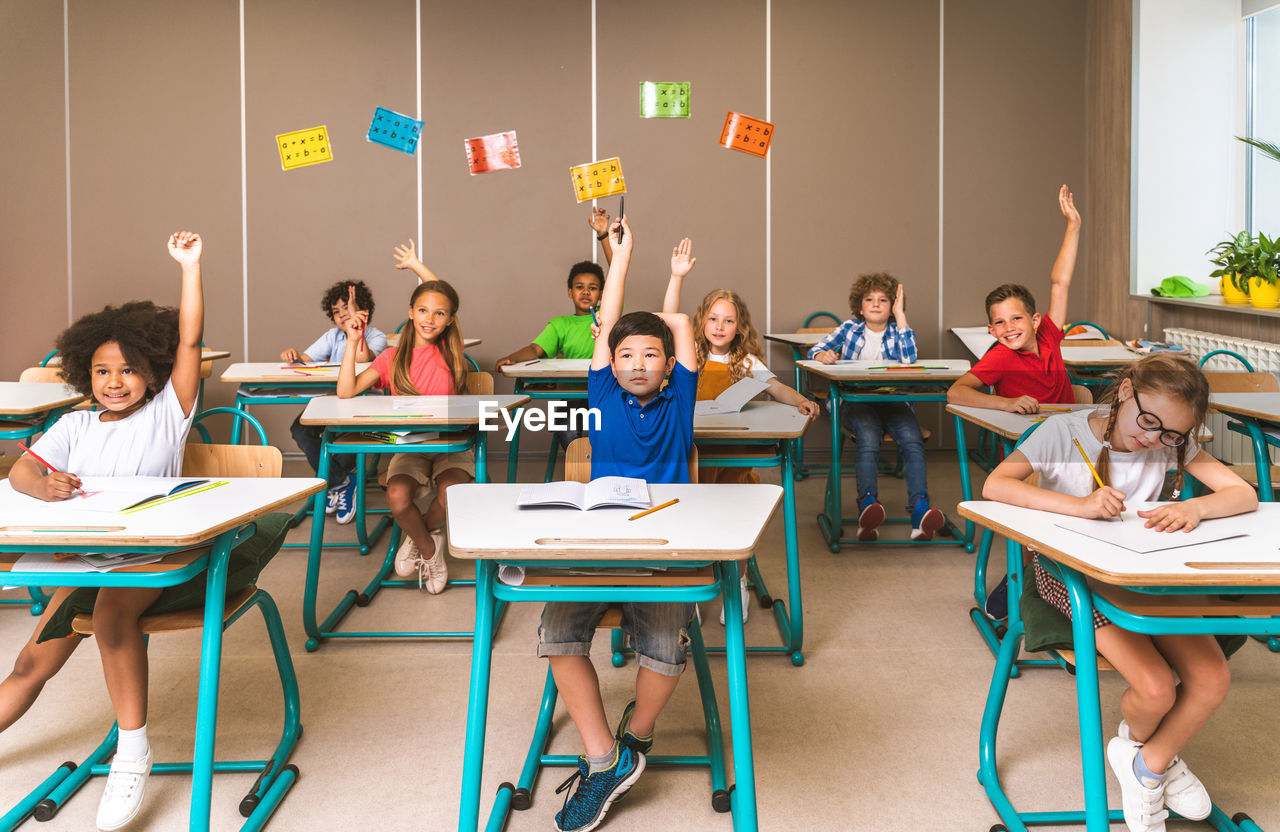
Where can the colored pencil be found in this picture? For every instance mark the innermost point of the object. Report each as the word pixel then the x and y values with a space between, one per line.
pixel 1092 470
pixel 655 508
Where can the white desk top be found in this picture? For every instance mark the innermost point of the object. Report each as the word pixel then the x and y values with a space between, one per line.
pixel 1011 425
pixel 410 411
pixel 758 420
pixel 1262 406
pixel 393 340
pixel 485 523
pixel 275 372
pixel 796 339
pixel 19 398
pixel 182 522
pixel 549 368
pixel 1108 356
pixel 860 370
pixel 1240 561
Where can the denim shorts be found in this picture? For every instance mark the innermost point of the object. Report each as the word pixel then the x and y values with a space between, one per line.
pixel 659 631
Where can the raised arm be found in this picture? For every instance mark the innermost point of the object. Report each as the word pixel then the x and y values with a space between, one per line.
pixel 1065 264
pixel 407 258
pixel 350 384
pixel 614 290
pixel 599 222
pixel 185 247
pixel 682 329
pixel 682 261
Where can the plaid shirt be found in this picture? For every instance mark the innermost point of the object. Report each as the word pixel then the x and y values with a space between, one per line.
pixel 847 341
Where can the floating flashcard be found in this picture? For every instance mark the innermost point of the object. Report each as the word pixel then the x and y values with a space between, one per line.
pixel 395 130
pixel 496 152
pixel 750 135
pixel 597 179
pixel 304 147
pixel 664 99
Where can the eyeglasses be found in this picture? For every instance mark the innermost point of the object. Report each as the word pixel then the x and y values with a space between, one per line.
pixel 1150 421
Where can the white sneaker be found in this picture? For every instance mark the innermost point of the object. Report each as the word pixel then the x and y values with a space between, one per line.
pixel 746 598
pixel 1143 808
pixel 123 796
pixel 1184 793
pixel 331 498
pixel 433 573
pixel 407 557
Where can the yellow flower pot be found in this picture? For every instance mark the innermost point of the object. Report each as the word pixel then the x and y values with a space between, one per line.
pixel 1230 293
pixel 1262 294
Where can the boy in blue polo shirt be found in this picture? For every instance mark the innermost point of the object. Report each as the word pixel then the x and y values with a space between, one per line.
pixel 646 431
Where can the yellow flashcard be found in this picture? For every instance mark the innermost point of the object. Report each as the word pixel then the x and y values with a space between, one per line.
pixel 597 179
pixel 304 147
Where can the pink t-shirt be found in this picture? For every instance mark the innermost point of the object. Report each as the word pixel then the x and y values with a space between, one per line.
pixel 429 372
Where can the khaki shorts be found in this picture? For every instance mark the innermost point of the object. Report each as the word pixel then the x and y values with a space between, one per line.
pixel 424 468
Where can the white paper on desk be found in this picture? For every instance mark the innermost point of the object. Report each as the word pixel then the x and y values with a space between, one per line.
pixel 1132 533
pixel 733 399
pixel 418 405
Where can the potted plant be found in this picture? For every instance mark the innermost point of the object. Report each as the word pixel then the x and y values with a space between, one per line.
pixel 1234 258
pixel 1264 284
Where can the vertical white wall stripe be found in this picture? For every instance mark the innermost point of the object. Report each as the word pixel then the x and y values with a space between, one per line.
pixel 942 11
pixel 595 245
pixel 244 198
pixel 418 64
pixel 768 175
pixel 66 121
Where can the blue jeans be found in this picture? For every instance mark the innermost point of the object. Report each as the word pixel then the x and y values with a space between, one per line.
pixel 308 439
pixel 869 422
pixel 659 631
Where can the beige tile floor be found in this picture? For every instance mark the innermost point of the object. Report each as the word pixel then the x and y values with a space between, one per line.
pixel 877 731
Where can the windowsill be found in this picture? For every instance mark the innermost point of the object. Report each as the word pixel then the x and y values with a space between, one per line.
pixel 1214 302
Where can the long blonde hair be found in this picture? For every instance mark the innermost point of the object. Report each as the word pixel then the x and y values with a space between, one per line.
pixel 449 342
pixel 745 343
pixel 1170 375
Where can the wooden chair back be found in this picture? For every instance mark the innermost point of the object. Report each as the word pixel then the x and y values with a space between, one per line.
pixel 1242 383
pixel 41 375
pixel 1083 394
pixel 479 383
pixel 201 460
pixel 577 461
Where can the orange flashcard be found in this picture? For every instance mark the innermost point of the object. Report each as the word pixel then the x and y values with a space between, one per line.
pixel 750 135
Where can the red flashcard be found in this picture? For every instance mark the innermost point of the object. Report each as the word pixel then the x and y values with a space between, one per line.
pixel 496 152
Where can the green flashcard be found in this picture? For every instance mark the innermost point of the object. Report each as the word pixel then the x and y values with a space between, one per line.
pixel 664 99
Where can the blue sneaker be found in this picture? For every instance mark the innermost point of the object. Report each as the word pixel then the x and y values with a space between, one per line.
pixel 925 520
pixel 347 502
pixel 331 501
pixel 630 740
pixel 585 808
pixel 871 515
pixel 997 606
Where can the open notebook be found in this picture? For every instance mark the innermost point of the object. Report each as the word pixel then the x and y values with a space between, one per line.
pixel 629 492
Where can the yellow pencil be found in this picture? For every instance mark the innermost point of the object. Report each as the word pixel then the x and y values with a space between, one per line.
pixel 655 508
pixel 1092 470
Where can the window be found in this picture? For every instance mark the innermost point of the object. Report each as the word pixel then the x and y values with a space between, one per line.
pixel 1263 185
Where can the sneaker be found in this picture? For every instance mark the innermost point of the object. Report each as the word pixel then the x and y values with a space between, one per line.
pixel 628 739
pixel 585 809
pixel 122 797
pixel 346 502
pixel 331 503
pixel 871 515
pixel 1184 793
pixel 433 573
pixel 407 558
pixel 1143 808
pixel 997 609
pixel 925 521
pixel 746 598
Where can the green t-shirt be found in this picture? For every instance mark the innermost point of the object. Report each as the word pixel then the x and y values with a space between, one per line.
pixel 568 336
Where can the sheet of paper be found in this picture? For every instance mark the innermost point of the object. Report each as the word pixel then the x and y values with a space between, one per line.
pixel 395 130
pixel 1132 533
pixel 102 562
pixel 499 151
pixel 108 500
pixel 733 399
pixel 596 179
pixel 304 147
pixel 419 405
pixel 664 99
pixel 750 135
pixel 629 490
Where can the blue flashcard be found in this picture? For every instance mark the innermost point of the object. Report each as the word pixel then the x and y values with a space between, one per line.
pixel 395 130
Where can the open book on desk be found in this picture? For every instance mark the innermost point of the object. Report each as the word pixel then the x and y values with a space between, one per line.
pixel 628 492
pixel 103 495
pixel 733 399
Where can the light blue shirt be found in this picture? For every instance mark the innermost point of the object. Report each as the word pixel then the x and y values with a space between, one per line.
pixel 331 345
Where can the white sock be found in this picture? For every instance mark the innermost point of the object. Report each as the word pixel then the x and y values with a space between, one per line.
pixel 133 745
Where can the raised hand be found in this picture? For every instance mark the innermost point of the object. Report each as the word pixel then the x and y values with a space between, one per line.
pixel 1066 202
pixel 627 243
pixel 899 302
pixel 682 260
pixel 407 256
pixel 185 247
pixel 599 220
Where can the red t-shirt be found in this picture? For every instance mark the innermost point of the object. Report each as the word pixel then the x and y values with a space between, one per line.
pixel 429 372
pixel 1022 373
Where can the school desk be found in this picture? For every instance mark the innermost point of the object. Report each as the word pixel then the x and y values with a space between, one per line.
pixel 1246 569
pixel 278 382
pixel 218 517
pixel 554 379
pixel 344 422
pixel 1089 365
pixel 865 381
pixel 1257 415
pixel 485 524
pixel 799 343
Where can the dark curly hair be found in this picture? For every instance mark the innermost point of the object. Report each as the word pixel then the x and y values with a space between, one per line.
pixel 147 335
pixel 340 291
pixel 585 267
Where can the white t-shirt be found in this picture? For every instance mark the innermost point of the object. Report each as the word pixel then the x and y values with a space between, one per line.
pixel 1138 474
pixel 872 345
pixel 148 443
pixel 755 367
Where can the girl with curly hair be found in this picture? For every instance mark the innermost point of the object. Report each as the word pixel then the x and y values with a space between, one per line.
pixel 141 365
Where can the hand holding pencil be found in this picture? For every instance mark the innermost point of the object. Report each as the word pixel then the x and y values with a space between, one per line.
pixel 57 485
pixel 1104 502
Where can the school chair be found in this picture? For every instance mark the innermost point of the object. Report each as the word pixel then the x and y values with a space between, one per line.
pixel 275 774
pixel 1066 329
pixel 1246 382
pixel 814 388
pixel 41 375
pixel 518 796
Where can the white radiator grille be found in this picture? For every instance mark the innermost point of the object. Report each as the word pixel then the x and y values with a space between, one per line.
pixel 1232 448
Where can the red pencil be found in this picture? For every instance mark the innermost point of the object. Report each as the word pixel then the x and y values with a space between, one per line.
pixel 38 459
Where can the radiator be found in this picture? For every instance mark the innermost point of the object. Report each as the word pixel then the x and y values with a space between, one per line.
pixel 1231 448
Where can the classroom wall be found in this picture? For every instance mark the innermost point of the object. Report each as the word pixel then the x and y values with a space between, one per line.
pixel 922 138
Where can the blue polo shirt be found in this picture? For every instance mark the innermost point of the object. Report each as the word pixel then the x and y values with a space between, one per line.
pixel 650 442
